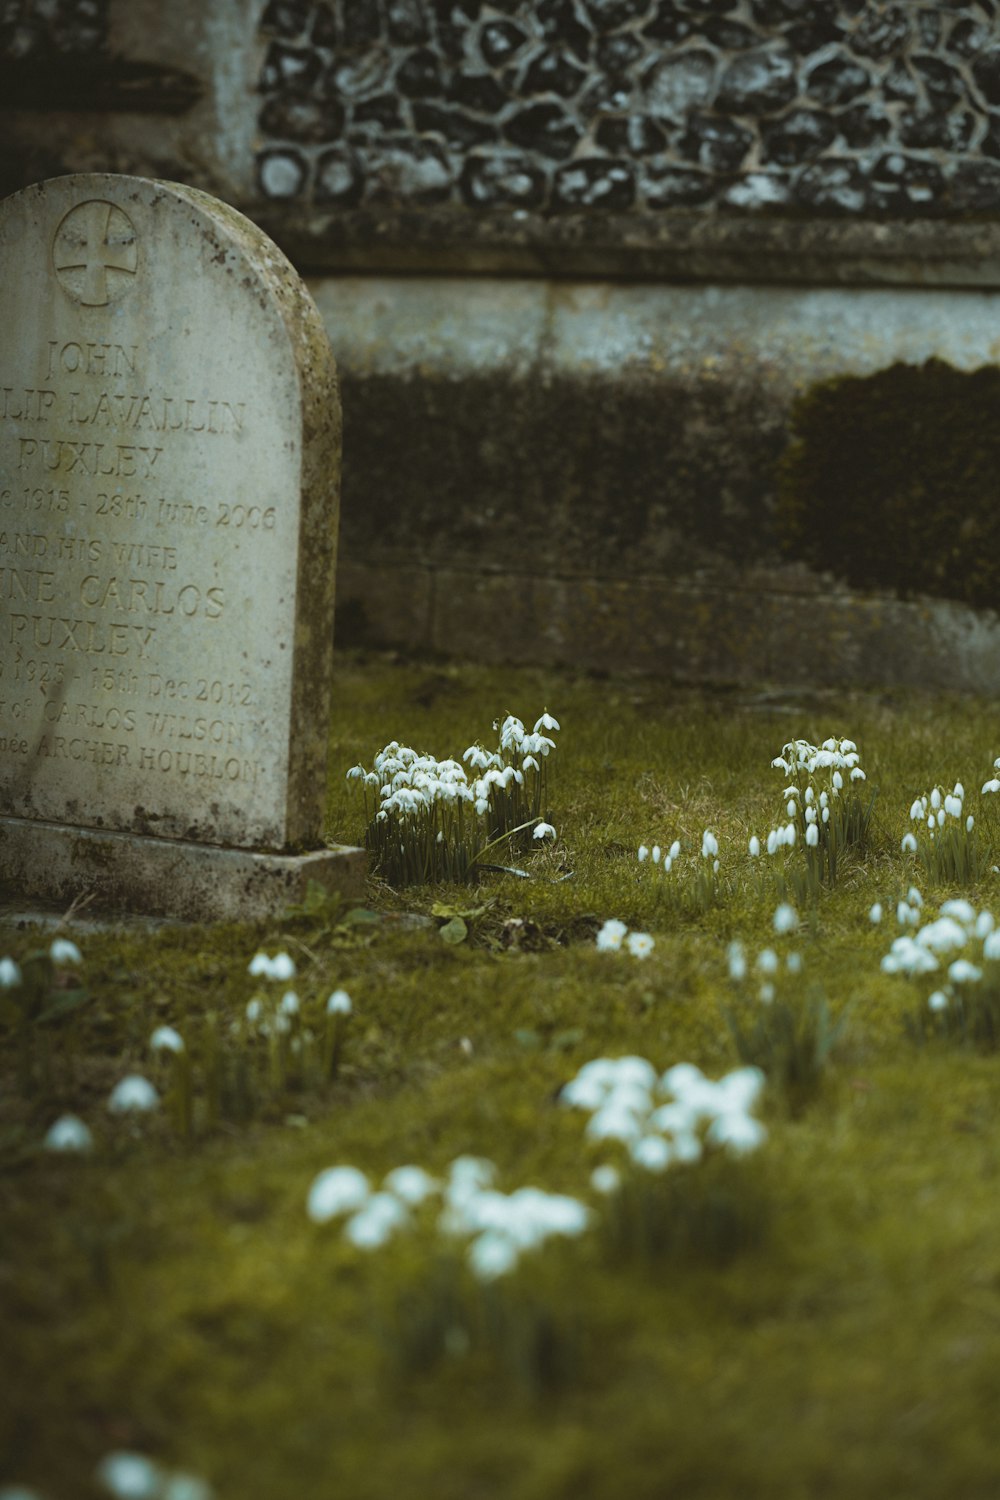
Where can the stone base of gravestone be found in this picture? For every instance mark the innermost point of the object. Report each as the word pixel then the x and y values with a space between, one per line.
pixel 53 862
pixel 169 499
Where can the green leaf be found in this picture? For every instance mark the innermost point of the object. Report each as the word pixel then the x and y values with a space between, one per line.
pixel 442 909
pixel 528 1039
pixel 565 1041
pixel 454 931
pixel 360 917
pixel 65 1001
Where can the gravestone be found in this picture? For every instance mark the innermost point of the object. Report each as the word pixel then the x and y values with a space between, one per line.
pixel 169 474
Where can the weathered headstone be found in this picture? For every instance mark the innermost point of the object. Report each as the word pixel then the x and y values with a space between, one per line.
pixel 169 467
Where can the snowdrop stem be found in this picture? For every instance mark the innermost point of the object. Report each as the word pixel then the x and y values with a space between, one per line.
pixel 333 1044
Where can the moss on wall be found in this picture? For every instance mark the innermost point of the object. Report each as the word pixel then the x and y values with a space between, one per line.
pixel 891 481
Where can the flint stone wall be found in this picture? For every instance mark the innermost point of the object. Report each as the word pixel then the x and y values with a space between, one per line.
pixel 568 493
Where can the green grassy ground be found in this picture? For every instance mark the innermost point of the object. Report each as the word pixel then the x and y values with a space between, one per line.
pixel 172 1296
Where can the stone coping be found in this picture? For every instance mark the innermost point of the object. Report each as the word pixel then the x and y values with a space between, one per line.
pixel 194 882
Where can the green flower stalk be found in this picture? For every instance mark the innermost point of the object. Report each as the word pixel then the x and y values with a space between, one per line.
pixel 338 1011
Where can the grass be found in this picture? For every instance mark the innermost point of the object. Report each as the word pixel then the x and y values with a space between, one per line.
pixel 172 1296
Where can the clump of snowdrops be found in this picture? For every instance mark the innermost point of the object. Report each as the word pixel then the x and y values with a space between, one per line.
pixel 943 837
pixel 954 960
pixel 827 806
pixel 781 1021
pixel 431 820
pixel 690 885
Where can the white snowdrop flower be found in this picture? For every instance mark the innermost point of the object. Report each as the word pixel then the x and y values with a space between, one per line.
pixel 683 1079
pixel 875 915
pixel 904 914
pixel 943 934
pixel 68 1133
pixel 63 951
pixel 960 910
pixel 909 957
pixel 715 867
pixel 611 936
pixel 793 963
pixel 634 1070
pixel 584 1093
pixel 970 823
pixel 941 818
pixel 824 799
pixel 811 815
pixel 673 1119
pixel 411 1184
pixel 737 960
pixel 767 961
pixel 166 1039
pixel 786 918
pixel 985 923
pixel 655 854
pixel 282 966
pixel 709 845
pixel 838 781
pixel 339 1004
pixel 993 785
pixel 10 974
pixel 629 1094
pixel 766 993
pixel 991 945
pixel 675 848
pixel 133 1095
pixel 643 854
pixel 812 836
pixel 376 1221
pixel 260 964
pixel 740 1090
pixel 754 846
pixel 613 1123
pixel 482 806
pixel 180 1486
pixel 964 972
pixel 738 1133
pixel 605 1179
pixel 546 722
pixel 953 807
pixel 470 1174
pixel 290 1003
pixel 639 944
pixel 772 841
pixel 826 815
pixel 129 1476
pixel 938 1000
pixel 336 1191
pixel 857 774
pixel 790 835
pixel 652 1153
pixel 544 831
pixel 935 799
pixel 492 1254
pixel 686 1147
pixel 917 811
pixel 914 897
pixel 908 844
pixel 791 808
pixel 254 1010
pixel 668 865
pixel 959 789
pixel 282 1023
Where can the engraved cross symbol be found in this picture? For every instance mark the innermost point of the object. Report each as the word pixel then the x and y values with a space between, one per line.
pixel 94 248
